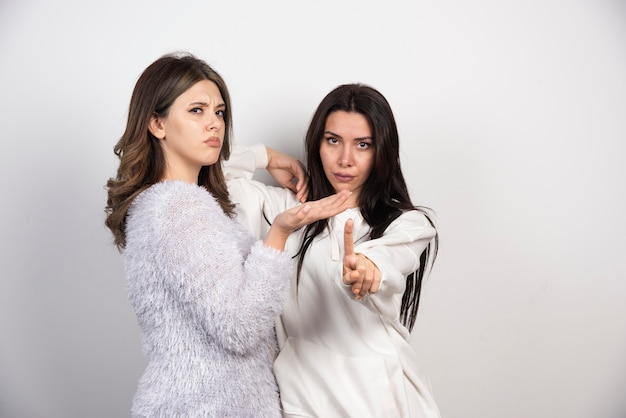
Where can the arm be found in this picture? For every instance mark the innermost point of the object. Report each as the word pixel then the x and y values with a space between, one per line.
pixel 244 161
pixel 288 172
pixel 285 169
pixel 231 286
pixel 396 255
pixel 297 217
pixel 256 203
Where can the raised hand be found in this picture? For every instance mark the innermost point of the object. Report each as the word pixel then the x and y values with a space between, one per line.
pixel 288 172
pixel 358 270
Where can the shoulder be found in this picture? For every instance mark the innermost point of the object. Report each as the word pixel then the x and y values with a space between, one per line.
pixel 418 216
pixel 164 202
pixel 174 188
pixel 416 222
pixel 173 193
pixel 173 214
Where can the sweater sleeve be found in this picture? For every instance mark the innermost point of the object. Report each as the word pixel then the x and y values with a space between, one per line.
pixel 396 254
pixel 230 284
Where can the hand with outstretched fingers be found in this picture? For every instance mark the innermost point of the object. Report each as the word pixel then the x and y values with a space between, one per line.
pixel 358 270
pixel 298 216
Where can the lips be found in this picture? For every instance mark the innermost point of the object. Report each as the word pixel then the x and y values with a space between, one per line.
pixel 213 142
pixel 343 177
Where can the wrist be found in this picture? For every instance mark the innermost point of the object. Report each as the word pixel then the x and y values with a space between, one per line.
pixel 269 155
pixel 276 238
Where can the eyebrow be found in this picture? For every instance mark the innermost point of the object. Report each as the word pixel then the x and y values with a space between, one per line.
pixel 205 104
pixel 355 139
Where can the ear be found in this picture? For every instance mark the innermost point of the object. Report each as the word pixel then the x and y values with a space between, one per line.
pixel 156 127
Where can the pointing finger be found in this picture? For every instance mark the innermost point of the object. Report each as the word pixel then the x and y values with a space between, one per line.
pixel 348 243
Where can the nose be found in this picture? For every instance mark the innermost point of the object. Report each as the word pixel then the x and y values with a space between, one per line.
pixel 214 122
pixel 345 158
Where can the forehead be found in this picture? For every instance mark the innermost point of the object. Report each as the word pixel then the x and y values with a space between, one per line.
pixel 202 91
pixel 348 123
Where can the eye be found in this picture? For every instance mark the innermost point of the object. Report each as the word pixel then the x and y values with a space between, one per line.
pixel 221 113
pixel 196 110
pixel 331 140
pixel 363 145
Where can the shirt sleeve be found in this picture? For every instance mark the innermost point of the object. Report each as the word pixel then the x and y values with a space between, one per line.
pixel 244 160
pixel 396 254
pixel 256 204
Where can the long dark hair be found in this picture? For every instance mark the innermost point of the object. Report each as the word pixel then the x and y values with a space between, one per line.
pixel 384 196
pixel 142 162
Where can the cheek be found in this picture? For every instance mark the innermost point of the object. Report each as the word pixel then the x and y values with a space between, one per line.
pixel 367 164
pixel 326 159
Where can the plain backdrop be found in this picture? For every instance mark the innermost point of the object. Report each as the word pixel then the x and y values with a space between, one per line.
pixel 512 118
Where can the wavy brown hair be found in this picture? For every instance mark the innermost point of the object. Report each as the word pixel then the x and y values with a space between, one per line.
pixel 142 162
pixel 384 196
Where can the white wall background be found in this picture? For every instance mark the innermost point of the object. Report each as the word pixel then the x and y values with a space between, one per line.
pixel 512 117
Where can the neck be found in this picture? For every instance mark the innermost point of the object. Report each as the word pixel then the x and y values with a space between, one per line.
pixel 186 176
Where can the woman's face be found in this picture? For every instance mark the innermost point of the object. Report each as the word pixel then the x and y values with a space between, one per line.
pixel 192 133
pixel 347 152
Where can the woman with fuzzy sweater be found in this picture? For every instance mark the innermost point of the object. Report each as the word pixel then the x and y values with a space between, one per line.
pixel 206 293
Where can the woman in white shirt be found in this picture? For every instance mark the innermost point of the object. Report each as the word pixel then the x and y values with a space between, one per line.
pixel 344 331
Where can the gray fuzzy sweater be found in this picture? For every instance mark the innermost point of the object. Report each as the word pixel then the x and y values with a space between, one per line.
pixel 206 295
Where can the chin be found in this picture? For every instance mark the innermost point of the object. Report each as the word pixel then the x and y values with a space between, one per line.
pixel 212 160
pixel 343 187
